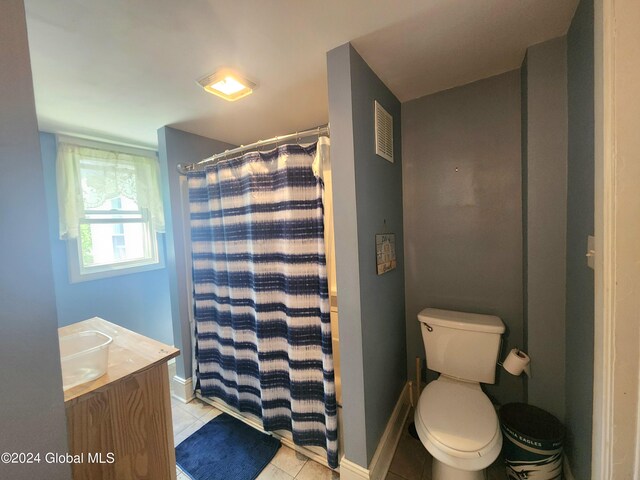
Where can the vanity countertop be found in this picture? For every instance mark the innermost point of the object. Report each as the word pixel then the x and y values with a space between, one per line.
pixel 129 353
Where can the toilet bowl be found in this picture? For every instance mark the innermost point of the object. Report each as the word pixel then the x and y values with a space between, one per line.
pixel 455 420
pixel 458 425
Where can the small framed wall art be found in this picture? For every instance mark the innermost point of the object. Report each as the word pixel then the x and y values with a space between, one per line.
pixel 385 252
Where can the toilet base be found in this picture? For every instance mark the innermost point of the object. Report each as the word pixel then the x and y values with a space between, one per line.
pixel 442 471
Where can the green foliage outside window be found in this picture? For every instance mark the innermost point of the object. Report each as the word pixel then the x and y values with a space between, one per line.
pixel 86 244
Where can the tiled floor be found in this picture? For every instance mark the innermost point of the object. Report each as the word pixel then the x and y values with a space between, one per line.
pixel 412 461
pixel 286 465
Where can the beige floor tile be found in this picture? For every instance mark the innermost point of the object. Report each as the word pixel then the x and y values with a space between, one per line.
pixel 314 471
pixel 494 472
pixel 409 459
pixel 393 476
pixel 181 419
pixel 197 408
pixel 187 432
pixel 271 472
pixel 427 467
pixel 288 460
pixel 497 470
pixel 180 475
pixel 210 415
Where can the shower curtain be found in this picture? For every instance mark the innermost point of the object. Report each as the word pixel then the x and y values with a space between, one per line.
pixel 261 304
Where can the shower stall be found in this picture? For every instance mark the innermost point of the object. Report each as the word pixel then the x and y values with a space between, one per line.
pixel 264 322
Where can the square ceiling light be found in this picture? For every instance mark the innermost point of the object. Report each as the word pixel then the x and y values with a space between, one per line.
pixel 227 84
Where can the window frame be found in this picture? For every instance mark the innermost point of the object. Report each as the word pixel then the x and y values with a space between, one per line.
pixel 77 271
pixel 110 270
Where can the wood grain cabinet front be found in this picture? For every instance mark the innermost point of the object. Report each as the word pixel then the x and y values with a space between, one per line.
pixel 121 426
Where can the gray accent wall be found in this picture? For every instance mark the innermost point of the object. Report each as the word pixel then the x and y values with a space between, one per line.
pixel 175 147
pixel 544 220
pixel 367 194
pixel 32 417
pixel 463 211
pixel 580 224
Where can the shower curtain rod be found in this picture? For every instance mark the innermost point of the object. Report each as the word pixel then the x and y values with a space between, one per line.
pixel 183 169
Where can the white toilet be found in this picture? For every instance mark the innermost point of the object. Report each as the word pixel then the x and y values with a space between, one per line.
pixel 455 420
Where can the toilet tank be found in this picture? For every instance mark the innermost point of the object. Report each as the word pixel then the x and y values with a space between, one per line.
pixel 462 345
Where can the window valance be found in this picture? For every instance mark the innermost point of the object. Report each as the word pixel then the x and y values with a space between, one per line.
pixel 88 177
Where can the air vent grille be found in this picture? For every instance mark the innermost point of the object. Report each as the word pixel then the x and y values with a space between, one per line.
pixel 384 133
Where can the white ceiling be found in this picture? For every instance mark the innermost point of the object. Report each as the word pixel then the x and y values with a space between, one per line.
pixel 121 69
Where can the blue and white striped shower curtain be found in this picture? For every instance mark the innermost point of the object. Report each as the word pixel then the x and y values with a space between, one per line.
pixel 261 301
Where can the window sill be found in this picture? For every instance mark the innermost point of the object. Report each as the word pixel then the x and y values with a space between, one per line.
pixel 107 271
pixel 113 271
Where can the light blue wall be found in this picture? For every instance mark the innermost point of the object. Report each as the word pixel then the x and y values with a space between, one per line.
pixel 347 271
pixel 174 147
pixel 580 224
pixel 138 301
pixel 367 194
pixel 524 145
pixel 545 220
pixel 32 417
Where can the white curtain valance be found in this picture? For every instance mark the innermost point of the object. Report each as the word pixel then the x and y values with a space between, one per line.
pixel 88 177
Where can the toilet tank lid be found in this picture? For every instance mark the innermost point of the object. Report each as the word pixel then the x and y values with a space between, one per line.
pixel 461 320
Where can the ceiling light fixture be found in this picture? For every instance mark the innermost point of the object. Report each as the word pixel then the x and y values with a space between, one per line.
pixel 227 84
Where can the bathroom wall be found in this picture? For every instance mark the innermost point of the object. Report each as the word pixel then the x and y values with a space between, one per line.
pixel 524 140
pixel 463 210
pixel 32 409
pixel 580 224
pixel 544 122
pixel 174 147
pixel 137 301
pixel 367 193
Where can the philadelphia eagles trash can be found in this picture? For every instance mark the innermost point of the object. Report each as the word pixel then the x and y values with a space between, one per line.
pixel 532 442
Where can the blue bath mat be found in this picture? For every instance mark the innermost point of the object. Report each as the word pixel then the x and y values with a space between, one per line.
pixel 226 449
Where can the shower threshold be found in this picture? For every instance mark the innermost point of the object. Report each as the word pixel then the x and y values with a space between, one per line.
pixel 316 454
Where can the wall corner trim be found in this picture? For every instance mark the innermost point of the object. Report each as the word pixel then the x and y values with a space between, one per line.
pixel 603 434
pixel 381 461
pixel 182 389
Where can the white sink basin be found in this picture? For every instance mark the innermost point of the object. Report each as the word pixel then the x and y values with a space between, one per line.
pixel 84 357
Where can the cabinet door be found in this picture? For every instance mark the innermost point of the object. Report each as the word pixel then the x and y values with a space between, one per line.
pixel 130 419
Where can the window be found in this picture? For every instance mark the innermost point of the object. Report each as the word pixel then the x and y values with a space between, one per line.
pixel 116 233
pixel 110 209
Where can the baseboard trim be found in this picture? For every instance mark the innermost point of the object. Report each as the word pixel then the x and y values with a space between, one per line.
pixel 566 468
pixel 352 471
pixel 381 461
pixel 383 455
pixel 182 389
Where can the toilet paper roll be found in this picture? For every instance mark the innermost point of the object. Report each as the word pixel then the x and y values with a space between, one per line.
pixel 517 362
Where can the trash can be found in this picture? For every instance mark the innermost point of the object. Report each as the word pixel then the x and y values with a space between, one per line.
pixel 532 442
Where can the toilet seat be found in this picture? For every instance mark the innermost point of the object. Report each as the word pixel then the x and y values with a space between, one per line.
pixel 458 424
